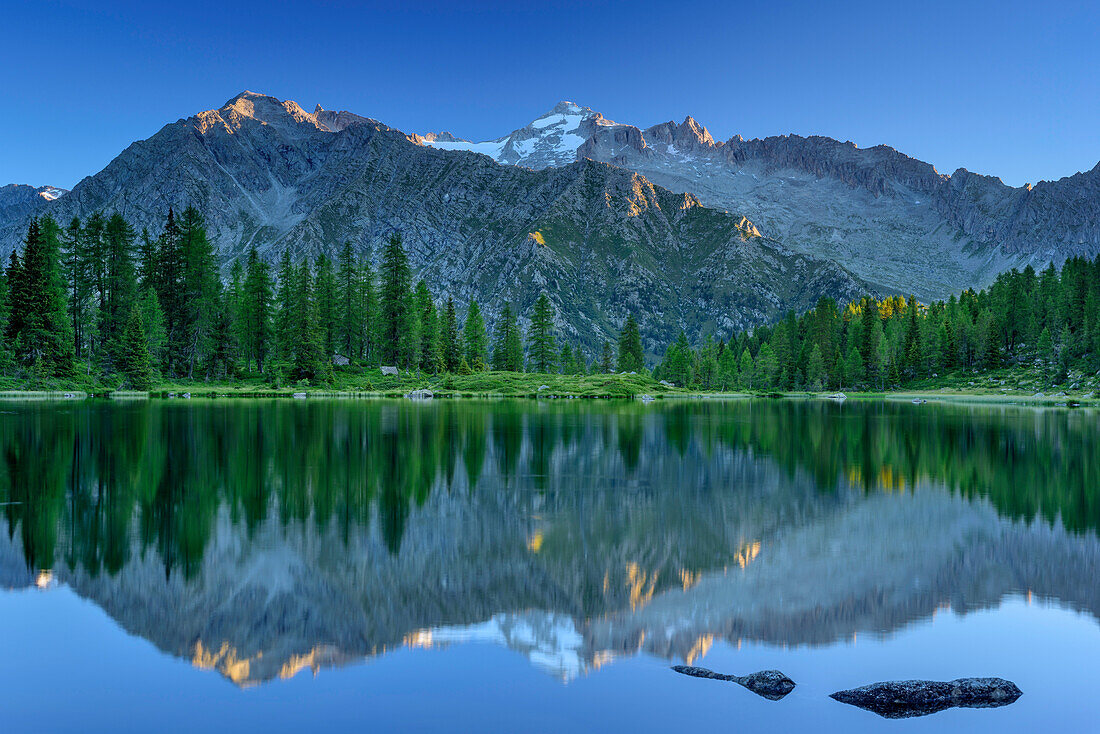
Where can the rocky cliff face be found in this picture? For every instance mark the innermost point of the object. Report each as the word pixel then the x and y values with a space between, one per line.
pixel 890 218
pixel 600 240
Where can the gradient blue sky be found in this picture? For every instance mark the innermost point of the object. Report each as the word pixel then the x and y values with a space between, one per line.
pixel 1006 88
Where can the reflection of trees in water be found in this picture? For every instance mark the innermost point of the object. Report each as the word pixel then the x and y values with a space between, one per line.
pixel 1028 462
pixel 85 478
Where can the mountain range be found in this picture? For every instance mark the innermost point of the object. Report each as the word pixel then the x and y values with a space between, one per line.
pixel 607 218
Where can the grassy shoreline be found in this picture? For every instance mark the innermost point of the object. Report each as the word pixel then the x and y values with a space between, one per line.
pixel 371 384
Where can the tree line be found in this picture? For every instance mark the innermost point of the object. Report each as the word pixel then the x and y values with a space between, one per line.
pixel 98 298
pixel 1049 319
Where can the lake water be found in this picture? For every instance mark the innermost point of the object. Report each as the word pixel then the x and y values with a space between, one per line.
pixel 498 566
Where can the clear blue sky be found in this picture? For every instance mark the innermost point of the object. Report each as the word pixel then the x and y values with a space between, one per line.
pixel 1006 88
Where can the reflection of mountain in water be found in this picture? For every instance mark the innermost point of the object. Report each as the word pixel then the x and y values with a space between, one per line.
pixel 572 535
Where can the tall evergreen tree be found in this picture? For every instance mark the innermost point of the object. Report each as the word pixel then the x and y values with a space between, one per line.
pixel 349 330
pixel 132 356
pixel 39 328
pixel 256 310
pixel 508 342
pixel 540 336
pixel 327 304
pixel 631 357
pixel 201 293
pixel 393 315
pixel 474 340
pixel 452 351
pixel 606 358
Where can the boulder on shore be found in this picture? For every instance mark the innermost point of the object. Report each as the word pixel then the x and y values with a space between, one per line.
pixel 420 394
pixel 771 684
pixel 902 699
pixel 392 371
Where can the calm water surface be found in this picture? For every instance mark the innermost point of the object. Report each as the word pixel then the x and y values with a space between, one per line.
pixel 502 566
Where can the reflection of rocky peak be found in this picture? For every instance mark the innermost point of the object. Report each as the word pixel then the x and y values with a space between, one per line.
pixel 573 581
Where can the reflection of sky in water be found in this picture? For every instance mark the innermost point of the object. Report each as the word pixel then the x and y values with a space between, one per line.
pixel 103 680
pixel 519 566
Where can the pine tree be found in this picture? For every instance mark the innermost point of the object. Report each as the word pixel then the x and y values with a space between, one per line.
pixel 631 356
pixel 474 340
pixel 540 336
pixel 132 357
pixel 394 302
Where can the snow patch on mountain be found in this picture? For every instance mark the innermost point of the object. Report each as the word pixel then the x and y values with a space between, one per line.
pixel 552 139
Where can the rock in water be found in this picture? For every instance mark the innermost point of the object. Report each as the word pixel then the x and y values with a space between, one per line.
pixel 905 698
pixel 771 684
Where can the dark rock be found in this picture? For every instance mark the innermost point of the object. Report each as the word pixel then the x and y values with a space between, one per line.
pixel 905 698
pixel 771 684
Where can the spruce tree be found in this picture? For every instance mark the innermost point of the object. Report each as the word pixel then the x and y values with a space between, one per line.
pixel 452 351
pixel 565 361
pixel 631 357
pixel 367 348
pixel 78 268
pixel 132 357
pixel 284 315
pixel 256 311
pixel 540 336
pixel 474 340
pixel 394 302
pixel 201 293
pixel 606 358
pixel 348 305
pixel 152 319
pixel 39 328
pixel 431 352
pixel 327 305
pixel 507 342
pixel 120 283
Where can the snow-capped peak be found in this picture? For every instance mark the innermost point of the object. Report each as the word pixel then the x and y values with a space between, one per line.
pixel 552 139
pixel 49 193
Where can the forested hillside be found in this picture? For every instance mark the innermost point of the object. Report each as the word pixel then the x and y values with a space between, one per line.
pixel 1047 321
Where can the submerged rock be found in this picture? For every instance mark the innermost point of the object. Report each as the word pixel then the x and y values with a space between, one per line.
pixel 770 684
pixel 905 698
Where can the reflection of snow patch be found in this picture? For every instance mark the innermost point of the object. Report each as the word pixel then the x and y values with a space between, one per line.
pixel 550 641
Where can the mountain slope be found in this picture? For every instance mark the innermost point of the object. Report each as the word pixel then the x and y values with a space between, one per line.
pixel 602 241
pixel 889 218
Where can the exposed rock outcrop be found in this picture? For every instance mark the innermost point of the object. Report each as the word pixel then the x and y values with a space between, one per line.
pixel 907 698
